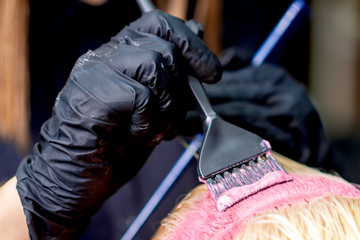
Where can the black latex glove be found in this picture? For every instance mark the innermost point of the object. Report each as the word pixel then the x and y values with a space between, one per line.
pixel 269 102
pixel 118 103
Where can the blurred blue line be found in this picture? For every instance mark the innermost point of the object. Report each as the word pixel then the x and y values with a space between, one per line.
pixel 278 32
pixel 165 185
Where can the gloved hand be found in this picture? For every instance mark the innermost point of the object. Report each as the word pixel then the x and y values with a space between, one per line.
pixel 266 100
pixel 120 100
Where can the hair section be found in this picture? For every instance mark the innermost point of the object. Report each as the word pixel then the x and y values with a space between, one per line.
pixel 315 206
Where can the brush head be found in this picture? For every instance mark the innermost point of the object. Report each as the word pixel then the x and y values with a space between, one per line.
pixel 230 157
pixel 235 163
pixel 237 184
pixel 226 146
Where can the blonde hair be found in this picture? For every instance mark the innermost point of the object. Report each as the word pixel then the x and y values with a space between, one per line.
pixel 14 72
pixel 331 217
pixel 328 217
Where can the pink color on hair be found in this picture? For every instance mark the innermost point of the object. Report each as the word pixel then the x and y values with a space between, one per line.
pixel 204 221
pixel 235 195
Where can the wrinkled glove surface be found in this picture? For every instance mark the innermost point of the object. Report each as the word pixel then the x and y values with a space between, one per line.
pixel 268 101
pixel 120 101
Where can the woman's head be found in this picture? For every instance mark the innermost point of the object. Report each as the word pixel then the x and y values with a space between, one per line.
pixel 312 206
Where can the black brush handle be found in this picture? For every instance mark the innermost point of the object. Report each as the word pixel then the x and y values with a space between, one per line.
pixel 204 107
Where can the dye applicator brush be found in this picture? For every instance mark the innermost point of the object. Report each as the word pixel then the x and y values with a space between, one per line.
pixel 233 162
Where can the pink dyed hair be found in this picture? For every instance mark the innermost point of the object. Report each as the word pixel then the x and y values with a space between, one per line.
pixel 196 217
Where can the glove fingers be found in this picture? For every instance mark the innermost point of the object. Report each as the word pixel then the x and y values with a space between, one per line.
pixel 145 66
pixel 202 61
pixel 168 50
pixel 115 90
pixel 156 64
pixel 170 118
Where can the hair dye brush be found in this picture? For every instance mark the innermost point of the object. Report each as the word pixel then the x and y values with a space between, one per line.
pixel 233 162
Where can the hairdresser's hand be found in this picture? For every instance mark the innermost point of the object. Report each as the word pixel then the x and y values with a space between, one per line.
pixel 119 102
pixel 268 101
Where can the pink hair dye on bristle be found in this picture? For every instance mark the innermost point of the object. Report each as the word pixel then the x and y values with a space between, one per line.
pixel 235 195
pixel 204 221
pixel 241 182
